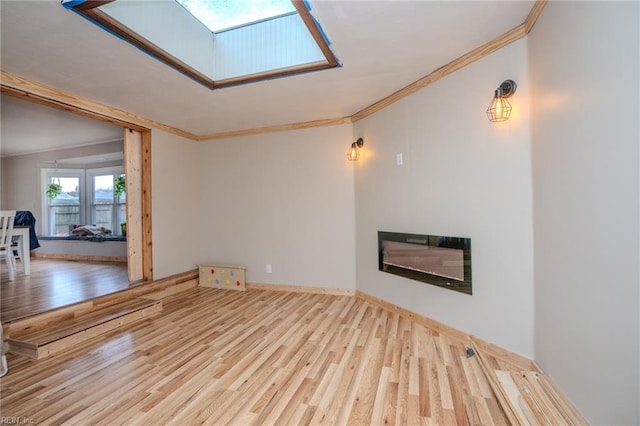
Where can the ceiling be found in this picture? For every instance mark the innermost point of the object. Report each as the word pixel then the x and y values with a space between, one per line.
pixel 29 127
pixel 383 47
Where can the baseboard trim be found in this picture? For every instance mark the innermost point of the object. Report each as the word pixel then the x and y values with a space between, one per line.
pixel 302 289
pixel 518 360
pixel 512 357
pixel 420 319
pixel 80 257
pixel 479 344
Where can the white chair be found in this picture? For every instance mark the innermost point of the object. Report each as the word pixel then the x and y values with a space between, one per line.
pixel 3 359
pixel 6 234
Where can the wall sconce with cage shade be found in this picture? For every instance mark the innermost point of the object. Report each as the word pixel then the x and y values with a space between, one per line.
pixel 500 108
pixel 354 151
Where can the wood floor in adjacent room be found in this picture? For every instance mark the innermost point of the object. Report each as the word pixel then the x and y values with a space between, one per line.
pixel 257 357
pixel 55 283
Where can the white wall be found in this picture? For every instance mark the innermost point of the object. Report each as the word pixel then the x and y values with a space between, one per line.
pixel 21 177
pixel 281 198
pixel 83 248
pixel 175 210
pixel 463 176
pixel 584 71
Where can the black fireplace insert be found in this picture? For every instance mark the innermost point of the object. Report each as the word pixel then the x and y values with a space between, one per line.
pixel 432 259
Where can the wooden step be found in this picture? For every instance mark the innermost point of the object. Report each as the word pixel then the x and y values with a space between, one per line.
pixel 155 290
pixel 42 334
pixel 61 332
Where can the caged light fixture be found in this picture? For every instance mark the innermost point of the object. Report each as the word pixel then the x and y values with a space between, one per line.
pixel 500 108
pixel 354 151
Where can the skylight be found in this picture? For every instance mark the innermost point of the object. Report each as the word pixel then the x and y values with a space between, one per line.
pixel 224 14
pixel 218 43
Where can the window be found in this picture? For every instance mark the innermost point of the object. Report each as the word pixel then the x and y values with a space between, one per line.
pixel 65 210
pixel 219 44
pixel 107 208
pixel 87 198
pixel 219 16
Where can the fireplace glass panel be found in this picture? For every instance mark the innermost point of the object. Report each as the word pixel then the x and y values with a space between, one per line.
pixel 438 260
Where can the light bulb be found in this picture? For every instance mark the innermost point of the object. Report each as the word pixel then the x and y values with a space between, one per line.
pixel 499 106
pixel 499 109
pixel 353 154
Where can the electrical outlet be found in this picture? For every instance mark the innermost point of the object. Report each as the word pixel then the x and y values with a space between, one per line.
pixel 399 159
pixel 268 268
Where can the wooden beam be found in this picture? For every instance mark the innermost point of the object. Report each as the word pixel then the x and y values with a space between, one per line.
pixel 57 98
pixel 147 244
pixel 52 103
pixel 133 173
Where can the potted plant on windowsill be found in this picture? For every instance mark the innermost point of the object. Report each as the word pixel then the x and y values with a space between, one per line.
pixel 53 190
pixel 119 188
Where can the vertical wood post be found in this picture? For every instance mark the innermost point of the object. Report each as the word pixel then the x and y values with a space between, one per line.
pixel 133 172
pixel 147 247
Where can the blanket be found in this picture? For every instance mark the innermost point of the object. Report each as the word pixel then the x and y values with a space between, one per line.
pixel 88 230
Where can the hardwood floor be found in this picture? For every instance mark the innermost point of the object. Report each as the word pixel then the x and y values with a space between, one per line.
pixel 257 357
pixel 55 283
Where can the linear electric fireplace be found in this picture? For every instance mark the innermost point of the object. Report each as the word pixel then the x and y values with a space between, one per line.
pixel 437 260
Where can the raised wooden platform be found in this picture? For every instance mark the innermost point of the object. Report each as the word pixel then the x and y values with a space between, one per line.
pixel 43 338
pixel 42 291
pixel 40 335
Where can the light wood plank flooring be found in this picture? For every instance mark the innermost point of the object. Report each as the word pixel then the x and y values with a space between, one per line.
pixel 56 283
pixel 257 357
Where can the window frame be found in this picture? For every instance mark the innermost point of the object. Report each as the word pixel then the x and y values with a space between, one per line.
pixel 117 202
pixel 85 193
pixel 91 11
pixel 46 174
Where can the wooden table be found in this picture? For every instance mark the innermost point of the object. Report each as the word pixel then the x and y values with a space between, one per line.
pixel 24 247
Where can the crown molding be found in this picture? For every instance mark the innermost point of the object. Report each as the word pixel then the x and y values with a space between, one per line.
pixel 278 128
pixel 534 14
pixel 499 42
pixel 17 86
